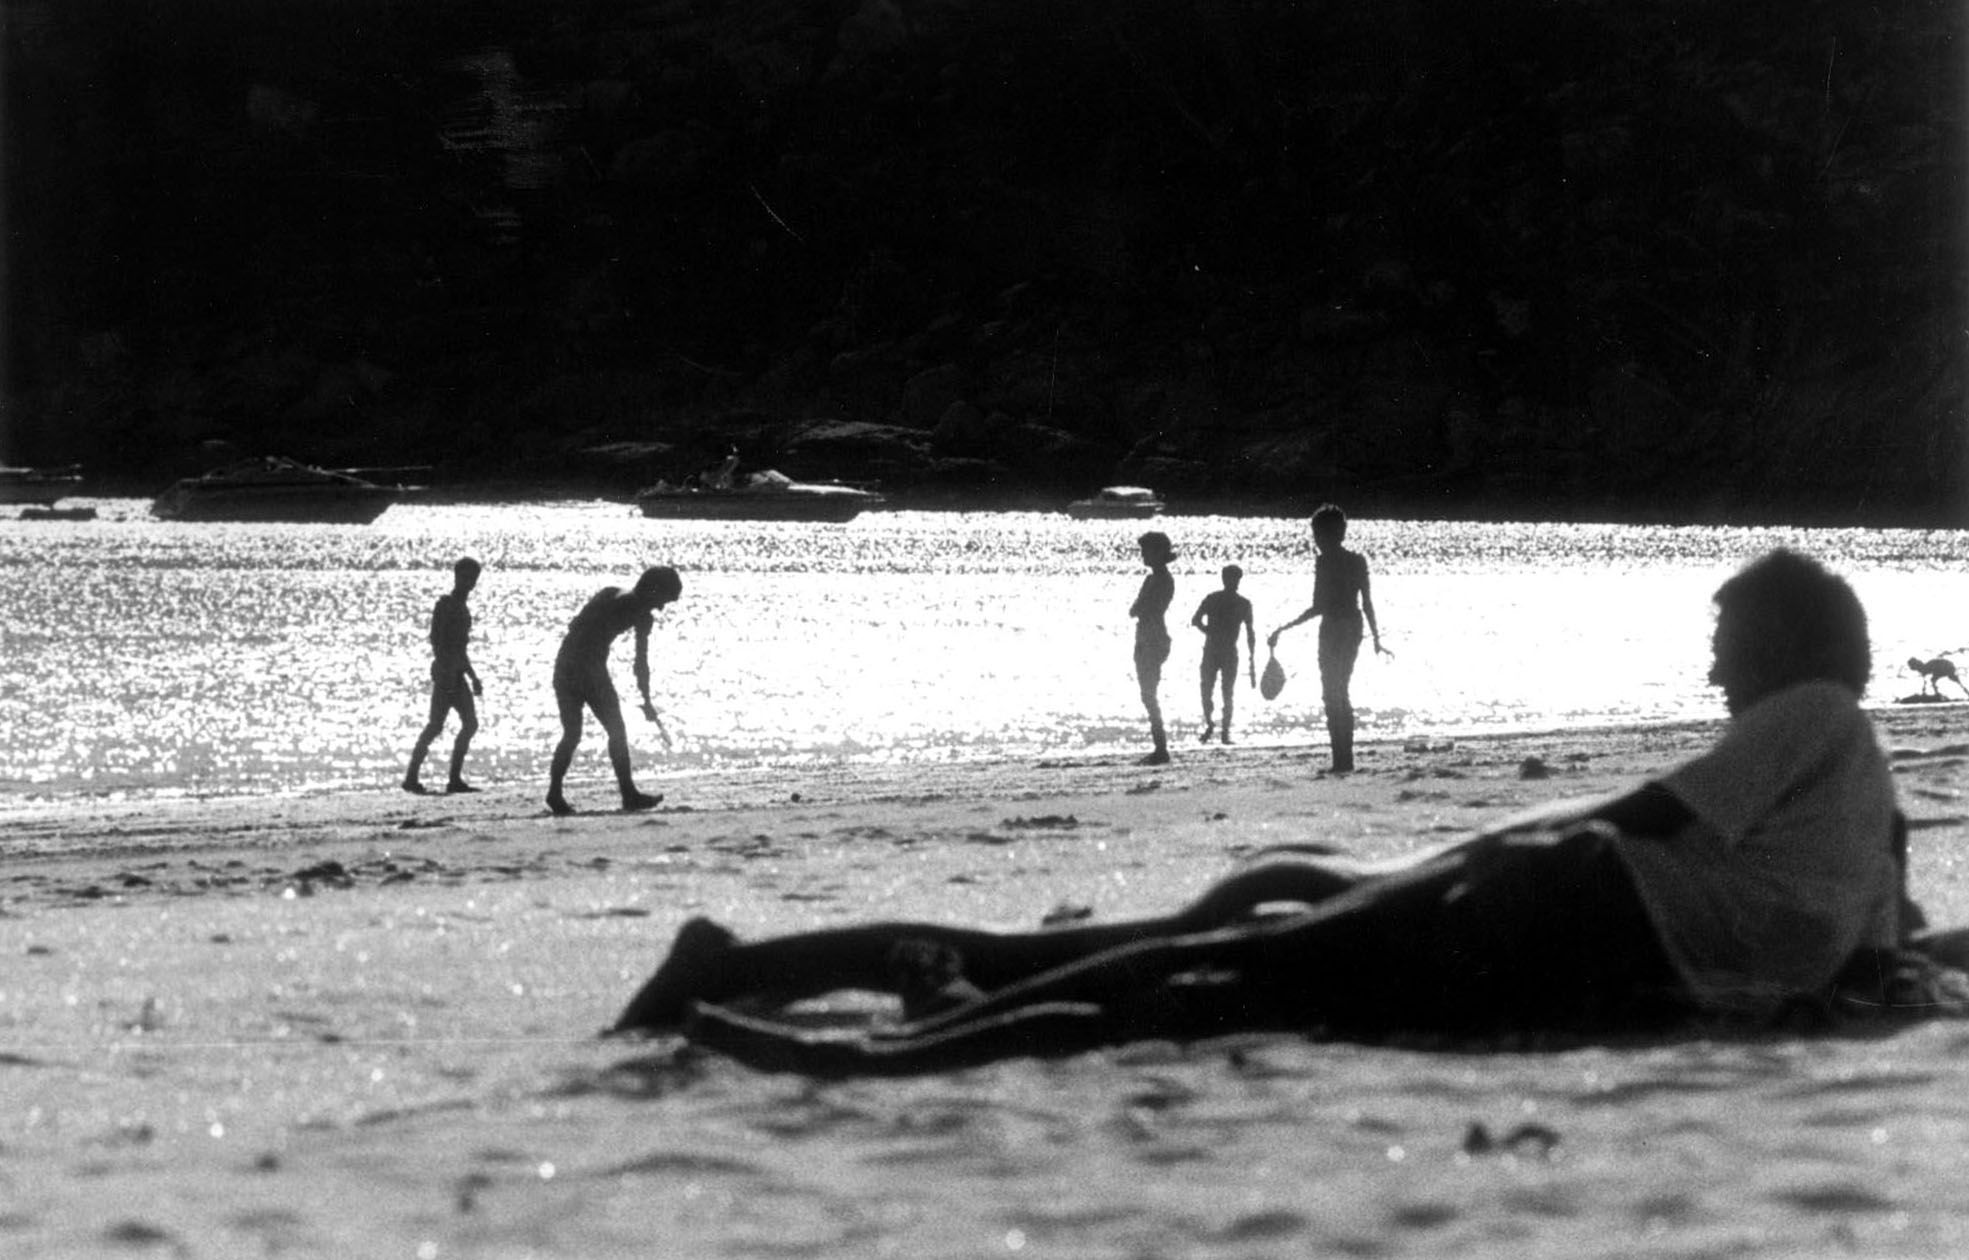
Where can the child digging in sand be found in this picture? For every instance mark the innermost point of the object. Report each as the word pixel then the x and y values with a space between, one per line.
pixel 1729 885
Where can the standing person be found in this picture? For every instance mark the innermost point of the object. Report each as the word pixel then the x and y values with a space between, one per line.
pixel 1219 616
pixel 1152 635
pixel 1340 598
pixel 581 678
pixel 453 680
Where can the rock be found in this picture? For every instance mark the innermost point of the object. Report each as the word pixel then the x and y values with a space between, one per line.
pixel 856 450
pixel 964 430
pixel 927 395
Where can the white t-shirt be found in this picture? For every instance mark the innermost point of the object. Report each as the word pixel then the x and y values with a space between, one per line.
pixel 1787 867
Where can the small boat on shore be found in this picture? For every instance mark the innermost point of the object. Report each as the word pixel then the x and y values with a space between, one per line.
pixel 764 496
pixel 271 488
pixel 40 486
pixel 42 512
pixel 1117 503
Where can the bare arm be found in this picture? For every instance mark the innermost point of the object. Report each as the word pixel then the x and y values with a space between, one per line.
pixel 1304 617
pixel 1367 607
pixel 642 664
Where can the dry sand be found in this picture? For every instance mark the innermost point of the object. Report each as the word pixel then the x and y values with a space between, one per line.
pixel 364 1025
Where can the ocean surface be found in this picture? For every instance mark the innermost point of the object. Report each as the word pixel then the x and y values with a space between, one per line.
pixel 146 658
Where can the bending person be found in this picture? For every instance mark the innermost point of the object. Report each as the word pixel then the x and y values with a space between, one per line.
pixel 581 678
pixel 1730 885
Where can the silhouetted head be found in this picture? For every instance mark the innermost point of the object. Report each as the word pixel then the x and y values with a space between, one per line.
pixel 659 585
pixel 1232 576
pixel 465 573
pixel 1156 548
pixel 1329 526
pixel 1785 619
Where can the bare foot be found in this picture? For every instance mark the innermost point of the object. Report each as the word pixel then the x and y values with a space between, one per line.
pixel 558 804
pixel 682 977
pixel 633 801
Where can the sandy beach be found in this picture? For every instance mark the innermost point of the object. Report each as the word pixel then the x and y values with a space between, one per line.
pixel 365 1024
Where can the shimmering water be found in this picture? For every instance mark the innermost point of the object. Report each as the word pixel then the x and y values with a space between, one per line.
pixel 144 657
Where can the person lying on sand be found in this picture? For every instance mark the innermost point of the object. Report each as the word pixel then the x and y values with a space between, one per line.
pixel 1730 885
pixel 581 678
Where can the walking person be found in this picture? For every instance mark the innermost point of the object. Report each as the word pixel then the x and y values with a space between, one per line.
pixel 454 683
pixel 1152 635
pixel 1341 599
pixel 581 678
pixel 1221 614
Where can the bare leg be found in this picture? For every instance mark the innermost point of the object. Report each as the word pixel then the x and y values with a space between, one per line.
pixel 1230 688
pixel 1148 673
pixel 707 963
pixel 1336 666
pixel 608 710
pixel 570 705
pixel 433 727
pixel 1496 934
pixel 468 726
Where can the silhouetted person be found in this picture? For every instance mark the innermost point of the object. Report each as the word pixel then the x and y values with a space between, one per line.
pixel 724 476
pixel 1152 634
pixel 1220 616
pixel 581 677
pixel 1341 597
pixel 1934 673
pixel 1759 872
pixel 453 681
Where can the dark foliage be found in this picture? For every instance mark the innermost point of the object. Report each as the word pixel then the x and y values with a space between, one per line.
pixel 1655 259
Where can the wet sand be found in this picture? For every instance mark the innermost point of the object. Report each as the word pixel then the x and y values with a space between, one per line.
pixel 364 1024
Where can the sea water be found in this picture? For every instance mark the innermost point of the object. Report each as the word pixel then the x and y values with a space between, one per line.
pixel 150 658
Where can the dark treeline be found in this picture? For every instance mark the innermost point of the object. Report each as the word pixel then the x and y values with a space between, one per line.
pixel 1663 259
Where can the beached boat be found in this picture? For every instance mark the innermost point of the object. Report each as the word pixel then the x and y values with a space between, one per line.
pixel 764 496
pixel 1117 503
pixel 274 489
pixel 38 485
pixel 46 513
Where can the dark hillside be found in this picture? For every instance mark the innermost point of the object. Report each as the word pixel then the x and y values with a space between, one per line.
pixel 1662 259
